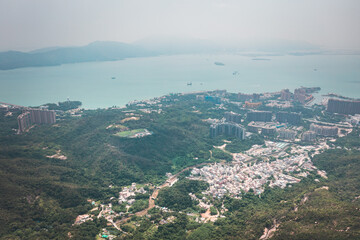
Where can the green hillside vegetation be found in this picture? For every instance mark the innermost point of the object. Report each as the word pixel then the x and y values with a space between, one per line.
pixel 139 205
pixel 237 145
pixel 41 197
pixel 219 154
pixel 177 197
pixel 45 195
pixel 64 106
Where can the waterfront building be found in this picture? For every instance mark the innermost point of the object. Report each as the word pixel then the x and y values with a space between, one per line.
pixel 300 95
pixel 3 108
pixel 259 116
pixel 40 116
pixel 228 129
pixel 324 130
pixel 24 122
pixel 288 117
pixel 286 95
pixel 308 136
pixel 35 116
pixel 300 98
pixel 233 117
pixel 343 106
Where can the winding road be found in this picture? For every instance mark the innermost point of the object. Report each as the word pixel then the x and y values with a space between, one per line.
pixel 154 195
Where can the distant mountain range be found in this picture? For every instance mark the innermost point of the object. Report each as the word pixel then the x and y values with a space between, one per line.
pixel 96 51
pixel 185 45
pixel 113 51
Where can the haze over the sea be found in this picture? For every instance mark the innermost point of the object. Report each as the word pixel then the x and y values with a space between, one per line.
pixel 105 84
pixel 27 25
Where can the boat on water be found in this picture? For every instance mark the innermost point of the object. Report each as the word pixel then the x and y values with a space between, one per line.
pixel 189 83
pixel 113 78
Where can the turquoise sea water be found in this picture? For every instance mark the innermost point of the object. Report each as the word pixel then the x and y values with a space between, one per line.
pixel 144 78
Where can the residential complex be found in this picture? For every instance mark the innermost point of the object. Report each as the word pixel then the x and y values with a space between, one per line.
pixel 228 129
pixel 287 134
pixel 233 117
pixel 259 116
pixel 308 136
pixel 245 97
pixel 24 122
pixel 288 117
pixel 300 95
pixel 324 130
pixel 265 128
pixel 286 95
pixel 343 106
pixel 35 116
pixel 41 116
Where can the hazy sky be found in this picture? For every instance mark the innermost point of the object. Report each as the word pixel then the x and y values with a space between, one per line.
pixel 31 24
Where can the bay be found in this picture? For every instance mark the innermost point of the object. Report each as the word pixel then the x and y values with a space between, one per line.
pixel 106 84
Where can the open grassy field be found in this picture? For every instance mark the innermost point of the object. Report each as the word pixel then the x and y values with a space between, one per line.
pixel 126 134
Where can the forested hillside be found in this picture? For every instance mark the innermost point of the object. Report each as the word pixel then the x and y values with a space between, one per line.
pixel 41 195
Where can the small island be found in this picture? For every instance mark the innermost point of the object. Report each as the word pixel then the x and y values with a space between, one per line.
pixel 261 59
